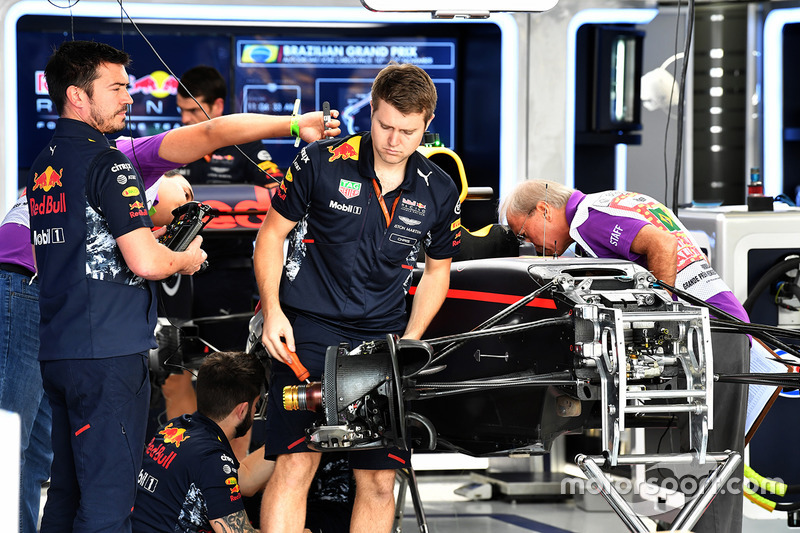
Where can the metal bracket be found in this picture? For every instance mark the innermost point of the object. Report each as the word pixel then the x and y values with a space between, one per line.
pixel 691 512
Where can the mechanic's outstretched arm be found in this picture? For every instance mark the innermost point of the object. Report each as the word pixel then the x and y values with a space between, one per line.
pixel 661 250
pixel 189 143
pixel 430 295
pixel 268 263
pixel 149 259
pixel 254 472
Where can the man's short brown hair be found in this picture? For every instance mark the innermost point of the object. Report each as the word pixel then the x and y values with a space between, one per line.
pixel 405 87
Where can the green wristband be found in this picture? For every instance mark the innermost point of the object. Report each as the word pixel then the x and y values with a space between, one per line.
pixel 295 127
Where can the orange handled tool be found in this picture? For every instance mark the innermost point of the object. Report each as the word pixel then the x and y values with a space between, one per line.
pixel 297 367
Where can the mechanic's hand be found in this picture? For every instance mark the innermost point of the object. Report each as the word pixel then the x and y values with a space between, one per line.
pixel 159 231
pixel 312 128
pixel 196 256
pixel 277 327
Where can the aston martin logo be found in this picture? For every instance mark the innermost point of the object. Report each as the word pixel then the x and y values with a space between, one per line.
pixel 410 221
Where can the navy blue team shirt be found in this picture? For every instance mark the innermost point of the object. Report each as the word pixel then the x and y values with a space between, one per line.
pixel 352 253
pixel 81 197
pixel 189 476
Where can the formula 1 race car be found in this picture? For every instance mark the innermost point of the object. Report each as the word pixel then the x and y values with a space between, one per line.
pixel 523 350
pixel 553 346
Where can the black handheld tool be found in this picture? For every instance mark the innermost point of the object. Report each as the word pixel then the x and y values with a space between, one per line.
pixel 189 220
pixel 326 113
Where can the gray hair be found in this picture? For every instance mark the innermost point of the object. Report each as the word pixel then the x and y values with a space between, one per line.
pixel 527 195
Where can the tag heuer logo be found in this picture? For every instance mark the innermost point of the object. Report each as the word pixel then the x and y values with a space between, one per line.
pixel 349 189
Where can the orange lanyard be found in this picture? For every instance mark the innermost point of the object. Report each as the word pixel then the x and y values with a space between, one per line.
pixel 386 214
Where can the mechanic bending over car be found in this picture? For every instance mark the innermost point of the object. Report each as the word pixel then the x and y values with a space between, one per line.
pixel 635 227
pixel 151 156
pixel 356 211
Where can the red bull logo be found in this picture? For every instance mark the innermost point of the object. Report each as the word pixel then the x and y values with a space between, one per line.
pixel 346 150
pixel 173 435
pixel 159 454
pixel 158 84
pixel 136 205
pixel 271 168
pixel 48 205
pixel 413 203
pixel 47 179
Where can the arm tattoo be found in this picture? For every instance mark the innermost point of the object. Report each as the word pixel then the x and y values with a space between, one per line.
pixel 234 523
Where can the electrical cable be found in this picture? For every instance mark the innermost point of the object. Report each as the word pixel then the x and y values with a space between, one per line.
pixel 772 275
pixel 659 469
pixel 771 486
pixel 669 426
pixel 681 106
pixel 739 323
pixel 167 67
pixel 669 107
pixel 779 296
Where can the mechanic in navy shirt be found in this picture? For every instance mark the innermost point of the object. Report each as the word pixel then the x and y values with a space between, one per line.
pixel 190 479
pixel 357 212
pixel 95 255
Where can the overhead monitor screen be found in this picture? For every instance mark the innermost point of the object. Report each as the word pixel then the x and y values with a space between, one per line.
pixel 271 74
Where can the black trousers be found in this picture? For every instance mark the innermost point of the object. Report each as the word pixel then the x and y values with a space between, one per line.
pixel 731 356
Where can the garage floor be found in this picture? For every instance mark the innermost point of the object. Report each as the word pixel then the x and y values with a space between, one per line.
pixel 447 512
